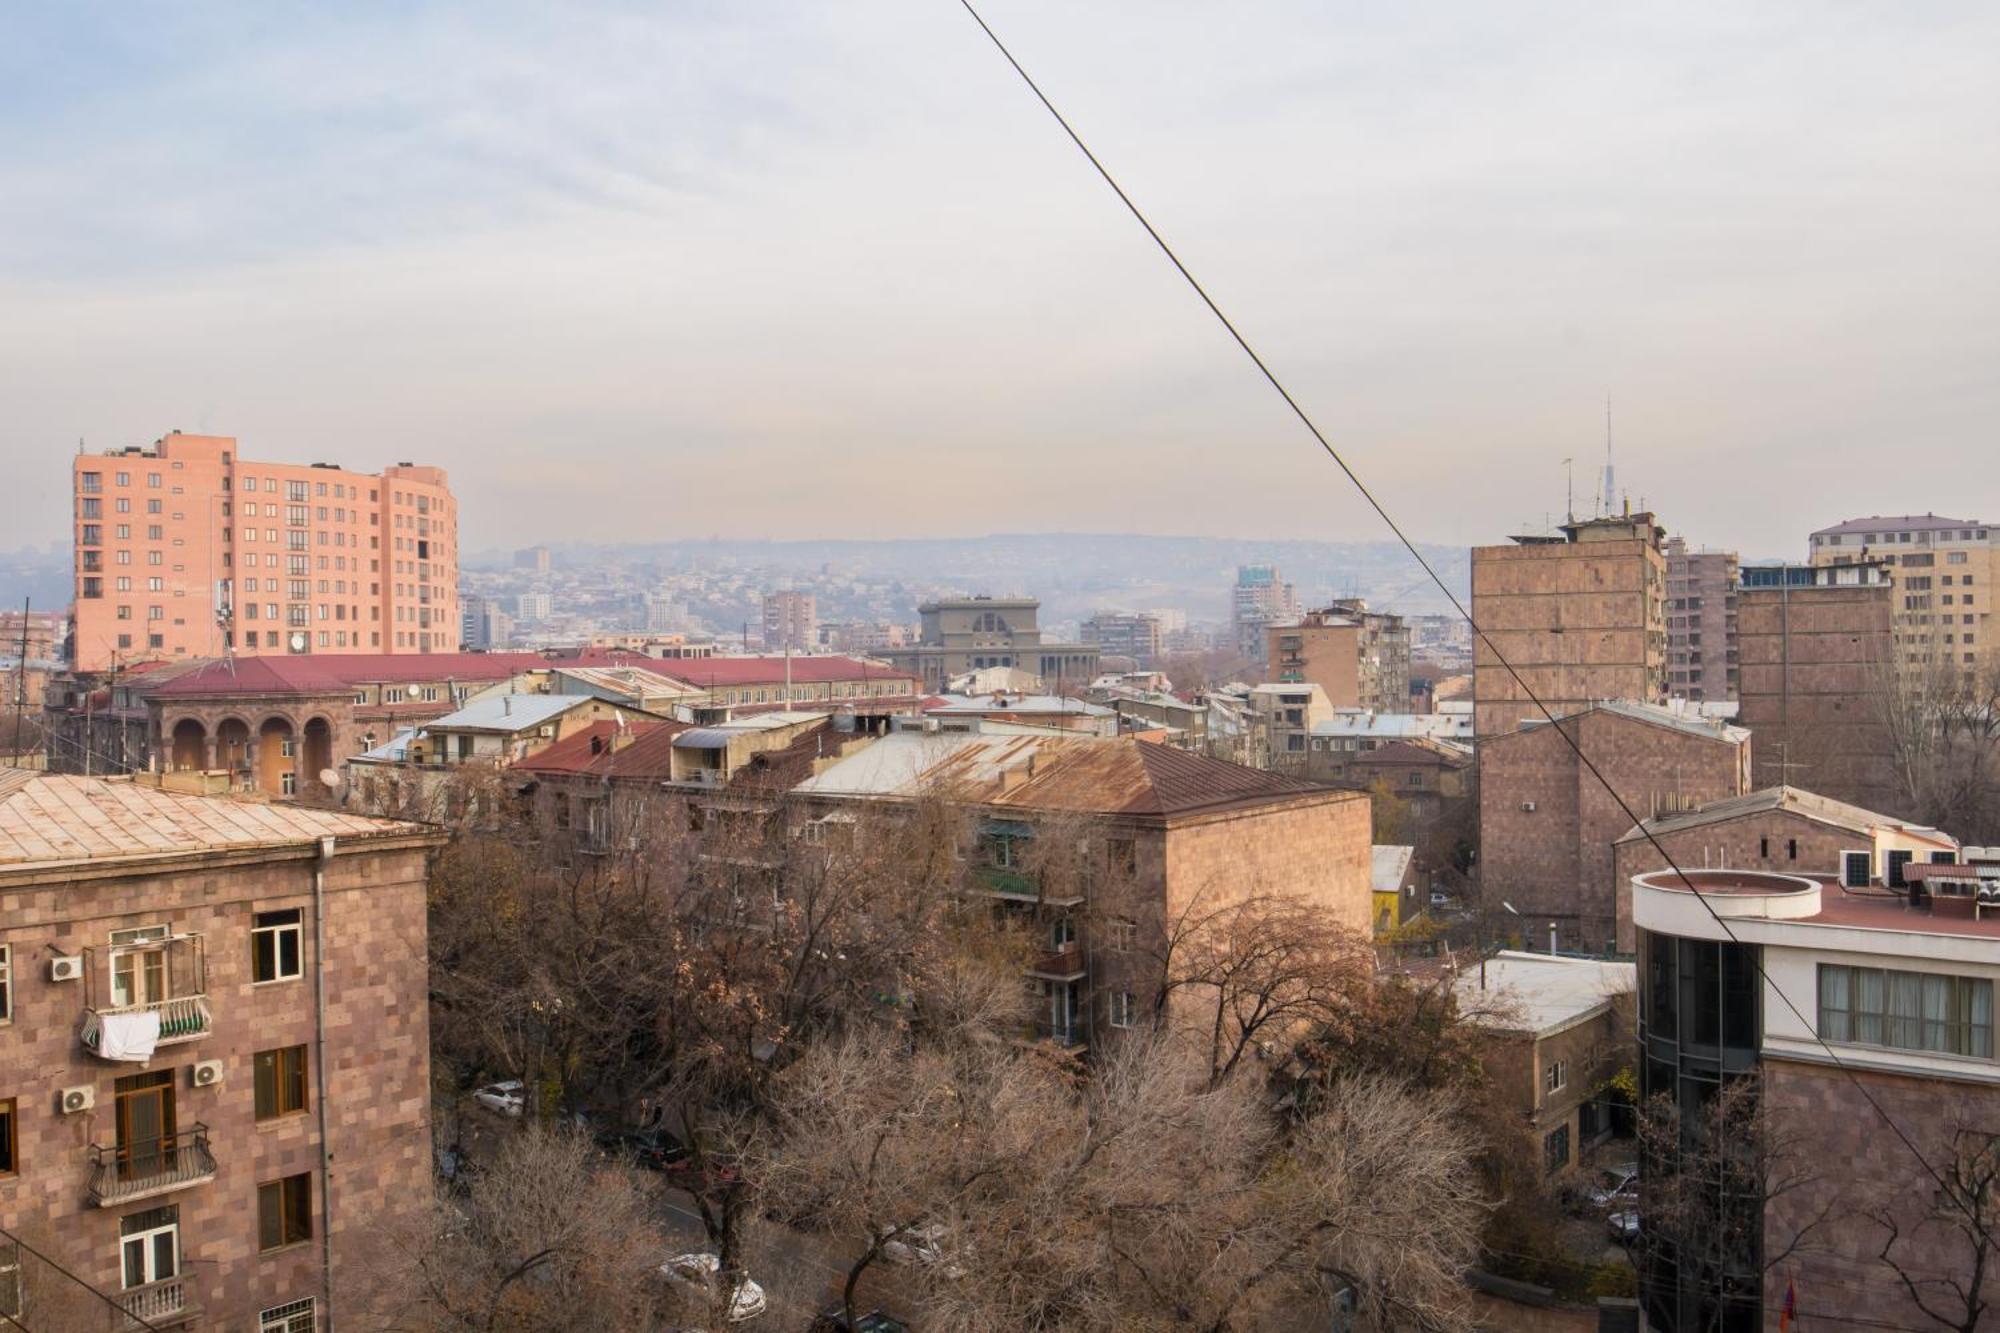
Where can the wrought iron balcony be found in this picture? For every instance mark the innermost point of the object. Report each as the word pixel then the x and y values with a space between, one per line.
pixel 141 1168
pixel 182 1018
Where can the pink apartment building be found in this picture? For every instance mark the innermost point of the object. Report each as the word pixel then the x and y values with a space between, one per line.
pixel 188 549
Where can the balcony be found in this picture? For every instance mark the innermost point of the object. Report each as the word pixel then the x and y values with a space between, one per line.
pixel 155 1305
pixel 183 1018
pixel 142 1168
pixel 1007 882
pixel 1060 965
pixel 1068 1035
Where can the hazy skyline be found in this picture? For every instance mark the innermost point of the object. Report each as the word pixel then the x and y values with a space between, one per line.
pixel 823 271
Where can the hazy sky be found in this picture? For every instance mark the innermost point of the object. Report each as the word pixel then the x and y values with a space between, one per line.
pixel 787 269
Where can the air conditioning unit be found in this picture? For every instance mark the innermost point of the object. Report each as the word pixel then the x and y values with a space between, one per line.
pixel 205 1073
pixel 1528 807
pixel 68 968
pixel 77 1099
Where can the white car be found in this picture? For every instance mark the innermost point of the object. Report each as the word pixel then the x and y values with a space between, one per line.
pixel 1623 1226
pixel 506 1097
pixel 1616 1185
pixel 700 1272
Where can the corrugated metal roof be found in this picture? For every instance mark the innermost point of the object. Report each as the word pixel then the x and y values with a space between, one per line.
pixel 1541 994
pixel 1811 805
pixel 1084 774
pixel 58 818
pixel 509 712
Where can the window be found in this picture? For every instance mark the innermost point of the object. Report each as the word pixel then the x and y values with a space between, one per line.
pixel 149 1246
pixel 1893 868
pixel 1910 1011
pixel 9 1142
pixel 1556 1076
pixel 1121 1008
pixel 6 983
pixel 10 1279
pixel 284 1212
pixel 1855 868
pixel 274 946
pixel 1121 934
pixel 1121 855
pixel 1555 1149
pixel 281 1081
pixel 1791 849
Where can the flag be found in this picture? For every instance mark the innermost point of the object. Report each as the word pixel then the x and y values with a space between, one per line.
pixel 1791 1310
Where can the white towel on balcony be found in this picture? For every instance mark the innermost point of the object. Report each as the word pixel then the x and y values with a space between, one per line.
pixel 130 1036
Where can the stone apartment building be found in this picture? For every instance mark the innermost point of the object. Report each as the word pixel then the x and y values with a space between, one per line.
pixel 962 634
pixel 1701 623
pixel 1779 829
pixel 1361 658
pixel 1547 827
pixel 1124 634
pixel 1944 571
pixel 214 1055
pixel 1156 830
pixel 188 550
pixel 1558 1029
pixel 791 620
pixel 1818 652
pixel 1581 617
pixel 1259 599
pixel 1903 995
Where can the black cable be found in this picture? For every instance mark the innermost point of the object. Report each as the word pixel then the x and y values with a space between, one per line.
pixel 1450 596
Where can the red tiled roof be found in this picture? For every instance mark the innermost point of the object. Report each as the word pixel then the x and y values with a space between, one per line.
pixel 645 756
pixel 732 672
pixel 311 674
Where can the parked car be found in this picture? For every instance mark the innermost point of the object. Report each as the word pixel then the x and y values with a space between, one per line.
pixel 507 1096
pixel 834 1321
pixel 655 1149
pixel 1616 1184
pixel 699 1272
pixel 1623 1226
pixel 1440 899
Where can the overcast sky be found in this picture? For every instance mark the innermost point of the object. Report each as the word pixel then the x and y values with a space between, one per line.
pixel 786 269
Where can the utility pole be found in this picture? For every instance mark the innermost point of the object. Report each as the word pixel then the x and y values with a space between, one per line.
pixel 21 679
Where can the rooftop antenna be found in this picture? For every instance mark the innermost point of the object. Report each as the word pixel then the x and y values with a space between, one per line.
pixel 1569 487
pixel 1610 504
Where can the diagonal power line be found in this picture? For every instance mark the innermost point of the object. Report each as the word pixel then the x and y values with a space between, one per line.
pixel 1306 420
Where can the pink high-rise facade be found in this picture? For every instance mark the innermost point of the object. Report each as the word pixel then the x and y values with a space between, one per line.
pixel 188 549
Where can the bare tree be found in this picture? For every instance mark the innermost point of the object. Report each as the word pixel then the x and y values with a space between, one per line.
pixel 1942 1243
pixel 1716 1177
pixel 548 1237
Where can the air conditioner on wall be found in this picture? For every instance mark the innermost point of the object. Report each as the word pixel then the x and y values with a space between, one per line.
pixel 72 1100
pixel 68 968
pixel 205 1073
pixel 1528 807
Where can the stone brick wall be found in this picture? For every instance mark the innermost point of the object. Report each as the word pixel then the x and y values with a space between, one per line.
pixel 1318 847
pixel 1554 862
pixel 377 1067
pixel 1839 1276
pixel 1783 841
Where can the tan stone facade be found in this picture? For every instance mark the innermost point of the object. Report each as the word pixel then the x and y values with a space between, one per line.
pixel 1816 662
pixel 1581 618
pixel 1547 826
pixel 1701 624
pixel 373 1071
pixel 1840 1278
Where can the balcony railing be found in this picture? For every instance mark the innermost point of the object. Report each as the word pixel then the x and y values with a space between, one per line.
pixel 1060 965
pixel 1068 1035
pixel 156 1303
pixel 182 1018
pixel 1010 883
pixel 144 1167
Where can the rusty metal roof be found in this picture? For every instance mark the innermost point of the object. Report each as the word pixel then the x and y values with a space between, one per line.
pixel 51 819
pixel 1090 775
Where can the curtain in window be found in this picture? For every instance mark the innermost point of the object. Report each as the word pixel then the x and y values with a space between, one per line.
pixel 1836 1021
pixel 1938 1015
pixel 1978 997
pixel 1904 1016
pixel 1867 1005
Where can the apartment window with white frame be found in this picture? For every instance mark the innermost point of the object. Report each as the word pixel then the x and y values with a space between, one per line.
pixel 296 1317
pixel 276 938
pixel 6 983
pixel 149 1246
pixel 1555 1077
pixel 1121 1007
pixel 1122 935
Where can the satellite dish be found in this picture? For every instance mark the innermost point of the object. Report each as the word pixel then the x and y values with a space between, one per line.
pixel 329 777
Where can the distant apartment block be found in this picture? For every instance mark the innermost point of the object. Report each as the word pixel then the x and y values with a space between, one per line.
pixel 791 620
pixel 189 550
pixel 1945 572
pixel 214 1056
pixel 1818 653
pixel 1580 616
pixel 533 607
pixel 533 558
pixel 1260 598
pixel 484 625
pixel 1701 624
pixel 1361 658
pixel 864 636
pixel 961 634
pixel 1121 634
